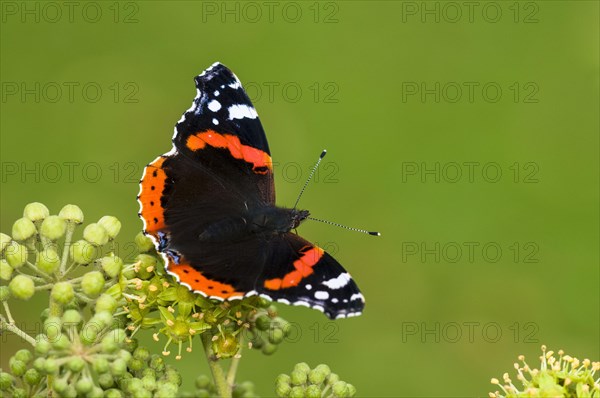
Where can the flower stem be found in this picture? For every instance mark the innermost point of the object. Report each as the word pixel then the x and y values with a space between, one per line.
pixel 223 388
pixel 11 327
pixel 65 255
pixel 233 368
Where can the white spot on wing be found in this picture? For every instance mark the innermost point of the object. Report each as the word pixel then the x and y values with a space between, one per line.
pixel 216 93
pixel 240 111
pixel 321 295
pixel 339 282
pixel 214 105
pixel 235 85
pixel 215 122
pixel 334 300
pixel 308 287
pixel 357 296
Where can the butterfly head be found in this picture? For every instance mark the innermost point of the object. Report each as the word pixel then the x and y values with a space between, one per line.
pixel 297 216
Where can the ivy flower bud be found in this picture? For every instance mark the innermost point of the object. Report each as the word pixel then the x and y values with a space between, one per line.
pixel 102 319
pixel 112 340
pixel 263 322
pixel 24 355
pixel 113 393
pixel 71 213
pixel 101 365
pixel 32 377
pixel 111 224
pixel 283 389
pixel 4 241
pixel 313 391
pixel 72 317
pixel 84 385
pixel 4 293
pixel 135 365
pixel 118 367
pixel 61 343
pixel 6 381
pixel 166 390
pixel 276 335
pixel 319 374
pixel 143 243
pixel 16 254
pixel 92 283
pixel 53 227
pixel 76 364
pixel 269 349
pixel 340 389
pixel 202 382
pixel 351 390
pixel 51 366
pixel 96 392
pixel 106 380
pixel 5 270
pixel 48 260
pixel 17 367
pixel 149 383
pixel 95 234
pixel 22 287
pixel 302 367
pixel 42 345
pixel 62 292
pixel 36 211
pixel 316 376
pixel 297 392
pixel 332 378
pixel 106 302
pixel 60 385
pixel 298 377
pixel 39 364
pixel 283 378
pixel 23 229
pixel 141 353
pixel 52 327
pixel 83 252
pixel 111 265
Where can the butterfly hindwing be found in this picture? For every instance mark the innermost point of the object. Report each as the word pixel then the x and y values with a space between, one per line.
pixel 300 273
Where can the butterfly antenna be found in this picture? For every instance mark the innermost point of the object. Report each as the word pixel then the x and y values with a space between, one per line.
pixel 312 173
pixel 364 231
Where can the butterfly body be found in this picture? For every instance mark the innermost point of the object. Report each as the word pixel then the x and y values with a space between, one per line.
pixel 209 205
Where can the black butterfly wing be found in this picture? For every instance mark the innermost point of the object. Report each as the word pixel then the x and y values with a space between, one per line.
pixel 300 273
pixel 219 166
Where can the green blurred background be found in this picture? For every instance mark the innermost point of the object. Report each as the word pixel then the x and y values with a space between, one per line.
pixel 392 89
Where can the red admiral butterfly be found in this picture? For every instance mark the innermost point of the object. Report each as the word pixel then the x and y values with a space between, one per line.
pixel 209 206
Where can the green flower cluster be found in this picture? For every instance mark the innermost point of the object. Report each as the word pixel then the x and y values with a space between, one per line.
pixel 32 260
pixel 75 354
pixel 87 346
pixel 312 383
pixel 267 330
pixel 564 376
pixel 146 375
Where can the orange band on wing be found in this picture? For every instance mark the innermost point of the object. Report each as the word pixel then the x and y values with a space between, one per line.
pixel 260 160
pixel 197 281
pixel 152 187
pixel 303 268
